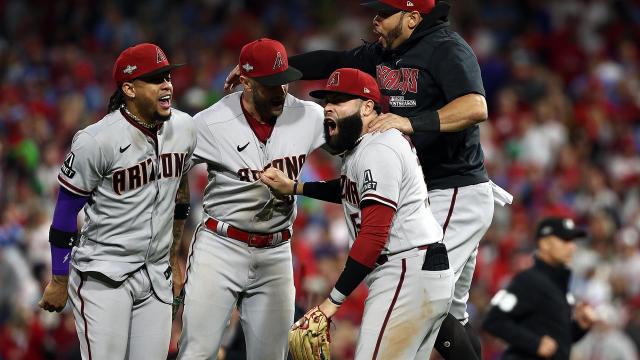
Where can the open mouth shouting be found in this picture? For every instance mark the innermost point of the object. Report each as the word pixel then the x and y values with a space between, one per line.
pixel 331 126
pixel 165 102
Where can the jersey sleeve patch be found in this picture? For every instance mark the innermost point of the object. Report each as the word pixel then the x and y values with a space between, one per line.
pixel 67 165
pixel 368 182
pixel 504 300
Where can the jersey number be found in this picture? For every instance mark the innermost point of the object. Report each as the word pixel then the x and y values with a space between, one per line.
pixel 355 221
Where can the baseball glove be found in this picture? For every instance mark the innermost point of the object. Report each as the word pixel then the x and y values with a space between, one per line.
pixel 311 339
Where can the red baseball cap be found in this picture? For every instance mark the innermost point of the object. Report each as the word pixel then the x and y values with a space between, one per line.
pixel 421 6
pixel 266 61
pixel 350 81
pixel 140 60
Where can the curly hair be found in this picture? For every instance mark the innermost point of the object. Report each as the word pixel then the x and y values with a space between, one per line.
pixel 116 100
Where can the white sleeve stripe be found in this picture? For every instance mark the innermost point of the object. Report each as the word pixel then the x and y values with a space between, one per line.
pixel 380 199
pixel 72 188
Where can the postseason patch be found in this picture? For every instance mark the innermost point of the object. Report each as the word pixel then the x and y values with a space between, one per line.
pixel 368 184
pixel 67 165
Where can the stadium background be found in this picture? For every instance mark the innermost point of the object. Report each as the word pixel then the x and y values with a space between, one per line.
pixel 563 136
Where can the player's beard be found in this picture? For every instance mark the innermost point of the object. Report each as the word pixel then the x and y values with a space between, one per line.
pixel 264 107
pixel 349 131
pixel 393 35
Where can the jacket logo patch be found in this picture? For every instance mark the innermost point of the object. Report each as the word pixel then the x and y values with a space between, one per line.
pixel 403 79
pixel 67 166
pixel 368 184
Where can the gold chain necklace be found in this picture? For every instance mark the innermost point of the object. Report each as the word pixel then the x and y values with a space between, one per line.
pixel 137 119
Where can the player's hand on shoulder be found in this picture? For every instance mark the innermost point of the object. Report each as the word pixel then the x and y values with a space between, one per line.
pixel 233 79
pixel 277 181
pixel 388 121
pixel 55 294
pixel 547 347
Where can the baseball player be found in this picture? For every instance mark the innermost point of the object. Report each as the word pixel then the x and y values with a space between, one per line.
pixel 124 171
pixel 241 254
pixel 431 81
pixel 394 237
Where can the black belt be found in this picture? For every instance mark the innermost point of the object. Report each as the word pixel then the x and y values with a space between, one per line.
pixel 384 258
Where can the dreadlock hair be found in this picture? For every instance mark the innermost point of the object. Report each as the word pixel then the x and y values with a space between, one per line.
pixel 116 100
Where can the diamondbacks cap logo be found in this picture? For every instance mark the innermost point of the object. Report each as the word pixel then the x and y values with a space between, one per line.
pixel 334 80
pixel 409 3
pixel 129 69
pixel 247 67
pixel 160 56
pixel 278 63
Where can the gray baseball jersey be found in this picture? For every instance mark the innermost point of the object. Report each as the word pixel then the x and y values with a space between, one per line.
pixel 131 176
pixel 406 304
pixel 384 168
pixel 223 271
pixel 235 157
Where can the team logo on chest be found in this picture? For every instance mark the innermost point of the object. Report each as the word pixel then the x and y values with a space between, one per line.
pixel 403 79
pixel 141 174
pixel 290 165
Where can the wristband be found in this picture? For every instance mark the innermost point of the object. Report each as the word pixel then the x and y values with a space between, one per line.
pixel 429 121
pixel 295 187
pixel 181 211
pixel 62 239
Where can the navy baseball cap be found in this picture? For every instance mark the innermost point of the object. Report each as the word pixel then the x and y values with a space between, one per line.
pixel 563 228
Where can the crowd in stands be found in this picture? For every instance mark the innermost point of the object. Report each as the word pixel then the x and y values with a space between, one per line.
pixel 563 136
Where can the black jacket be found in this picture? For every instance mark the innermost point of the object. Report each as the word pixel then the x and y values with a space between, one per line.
pixel 536 303
pixel 430 69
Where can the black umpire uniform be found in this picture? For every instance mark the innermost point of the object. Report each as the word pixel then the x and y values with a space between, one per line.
pixel 537 303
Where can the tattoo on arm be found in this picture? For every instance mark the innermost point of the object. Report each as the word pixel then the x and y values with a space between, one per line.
pixel 182 197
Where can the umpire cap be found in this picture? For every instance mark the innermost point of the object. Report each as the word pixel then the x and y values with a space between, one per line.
pixel 563 228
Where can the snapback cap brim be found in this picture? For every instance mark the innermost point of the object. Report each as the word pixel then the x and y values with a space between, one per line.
pixel 290 75
pixel 377 5
pixel 574 234
pixel 159 71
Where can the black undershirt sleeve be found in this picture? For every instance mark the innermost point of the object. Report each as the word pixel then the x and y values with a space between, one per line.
pixel 316 65
pixel 329 191
pixel 352 275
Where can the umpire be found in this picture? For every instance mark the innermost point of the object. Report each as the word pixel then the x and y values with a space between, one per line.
pixel 534 313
